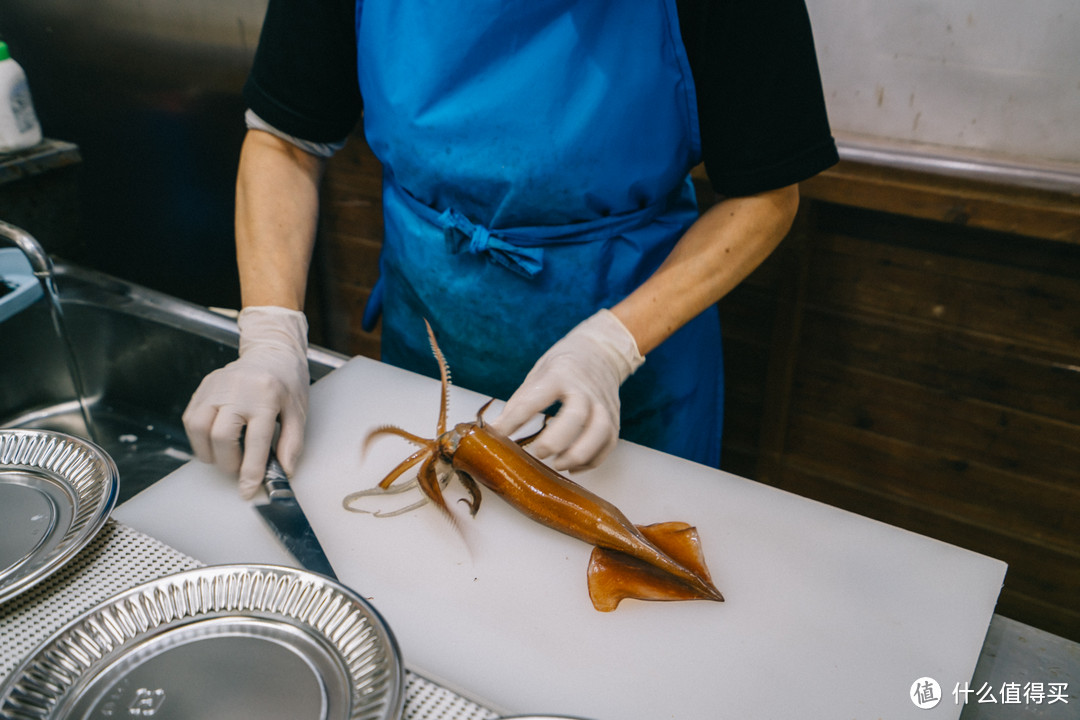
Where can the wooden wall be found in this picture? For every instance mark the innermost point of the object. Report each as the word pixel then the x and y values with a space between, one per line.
pixel 347 253
pixel 911 352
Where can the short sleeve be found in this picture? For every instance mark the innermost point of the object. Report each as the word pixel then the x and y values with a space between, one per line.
pixel 761 107
pixel 304 78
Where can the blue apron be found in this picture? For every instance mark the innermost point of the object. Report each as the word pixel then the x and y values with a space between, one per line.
pixel 535 169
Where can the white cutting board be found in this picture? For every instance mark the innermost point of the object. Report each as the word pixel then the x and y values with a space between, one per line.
pixel 828 614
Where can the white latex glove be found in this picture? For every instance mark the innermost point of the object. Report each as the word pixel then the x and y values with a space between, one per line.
pixel 268 382
pixel 583 371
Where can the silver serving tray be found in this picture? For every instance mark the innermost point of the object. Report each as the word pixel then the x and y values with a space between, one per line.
pixel 56 492
pixel 227 641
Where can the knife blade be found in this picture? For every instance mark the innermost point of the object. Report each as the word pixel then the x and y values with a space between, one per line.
pixel 286 518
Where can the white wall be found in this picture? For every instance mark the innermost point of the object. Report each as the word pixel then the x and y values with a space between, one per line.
pixel 1000 77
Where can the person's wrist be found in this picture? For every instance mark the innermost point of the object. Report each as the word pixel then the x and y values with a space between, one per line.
pixel 273 325
pixel 618 343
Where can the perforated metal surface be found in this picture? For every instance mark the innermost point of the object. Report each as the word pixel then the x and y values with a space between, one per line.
pixel 116 559
pixel 119 558
pixel 424 700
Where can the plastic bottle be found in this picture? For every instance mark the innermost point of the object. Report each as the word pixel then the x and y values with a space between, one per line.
pixel 19 126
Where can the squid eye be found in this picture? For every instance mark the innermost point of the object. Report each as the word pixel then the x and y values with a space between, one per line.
pixel 449 441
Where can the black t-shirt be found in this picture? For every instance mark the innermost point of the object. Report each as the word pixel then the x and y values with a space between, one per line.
pixel 760 104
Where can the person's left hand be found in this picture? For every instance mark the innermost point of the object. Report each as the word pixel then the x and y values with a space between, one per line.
pixel 583 372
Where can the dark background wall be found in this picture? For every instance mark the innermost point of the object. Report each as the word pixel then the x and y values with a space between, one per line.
pixel 150 92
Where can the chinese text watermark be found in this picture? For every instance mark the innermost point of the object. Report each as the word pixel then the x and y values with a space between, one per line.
pixel 926 693
pixel 1012 693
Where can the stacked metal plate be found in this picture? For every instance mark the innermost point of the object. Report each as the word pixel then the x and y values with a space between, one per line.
pixel 56 492
pixel 221 641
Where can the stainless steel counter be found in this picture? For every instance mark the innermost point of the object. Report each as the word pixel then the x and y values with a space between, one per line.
pixel 1016 668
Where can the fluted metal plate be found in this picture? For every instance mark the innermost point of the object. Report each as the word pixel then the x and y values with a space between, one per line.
pixel 56 491
pixel 217 642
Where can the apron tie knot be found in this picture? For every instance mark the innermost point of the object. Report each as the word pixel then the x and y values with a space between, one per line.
pixel 462 234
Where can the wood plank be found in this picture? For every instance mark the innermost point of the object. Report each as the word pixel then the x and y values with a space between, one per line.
pixel 351 197
pixel 740 439
pixel 1047 516
pixel 350 240
pixel 1021 306
pixel 739 459
pixel 778 269
pixel 746 367
pixel 353 299
pixel 351 217
pixel 355 170
pixel 967 364
pixel 355 261
pixel 787 330
pixel 747 315
pixel 1034 254
pixel 1036 451
pixel 1037 213
pixel 1033 611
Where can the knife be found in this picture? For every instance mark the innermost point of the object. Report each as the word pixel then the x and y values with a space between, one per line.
pixel 286 518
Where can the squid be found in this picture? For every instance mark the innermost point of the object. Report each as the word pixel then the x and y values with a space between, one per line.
pixel 663 561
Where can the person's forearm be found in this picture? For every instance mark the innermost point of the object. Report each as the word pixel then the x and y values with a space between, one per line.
pixel 277 208
pixel 714 255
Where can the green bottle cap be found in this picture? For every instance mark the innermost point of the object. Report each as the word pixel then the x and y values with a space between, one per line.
pixel 4 54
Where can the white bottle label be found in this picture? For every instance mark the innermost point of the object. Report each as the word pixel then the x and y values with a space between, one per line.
pixel 22 107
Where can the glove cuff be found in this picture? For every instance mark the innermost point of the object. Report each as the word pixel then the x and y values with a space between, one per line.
pixel 269 325
pixel 608 331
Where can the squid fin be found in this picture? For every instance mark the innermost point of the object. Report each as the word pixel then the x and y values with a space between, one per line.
pixel 614 576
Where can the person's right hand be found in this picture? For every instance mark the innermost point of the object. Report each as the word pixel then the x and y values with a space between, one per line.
pixel 269 382
pixel 583 372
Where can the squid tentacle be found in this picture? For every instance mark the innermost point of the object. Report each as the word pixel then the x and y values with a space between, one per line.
pixel 430 485
pixel 398 432
pixel 428 479
pixel 529 438
pixel 523 441
pixel 444 376
pixel 353 497
pixel 481 411
pixel 401 511
pixel 474 493
pixel 404 465
pixel 399 489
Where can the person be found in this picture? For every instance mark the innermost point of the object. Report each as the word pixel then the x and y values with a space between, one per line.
pixel 537 204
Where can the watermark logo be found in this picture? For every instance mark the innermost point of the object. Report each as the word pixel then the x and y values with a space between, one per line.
pixel 925 693
pixel 1013 693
